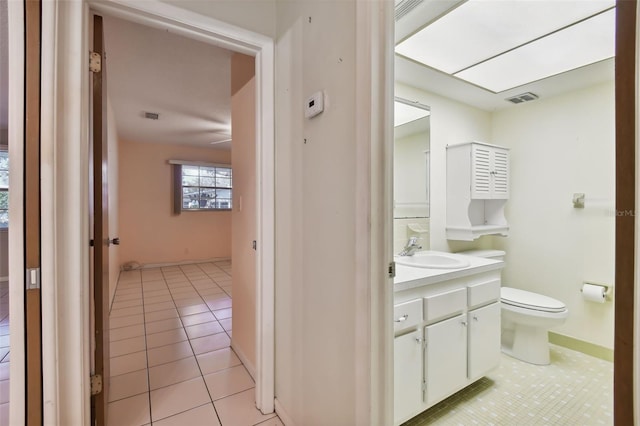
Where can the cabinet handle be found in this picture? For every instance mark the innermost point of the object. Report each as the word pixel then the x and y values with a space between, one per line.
pixel 475 318
pixel 464 323
pixel 402 318
pixel 418 340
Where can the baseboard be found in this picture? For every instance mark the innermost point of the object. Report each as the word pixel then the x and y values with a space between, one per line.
pixel 179 263
pixel 286 419
pixel 250 367
pixel 587 348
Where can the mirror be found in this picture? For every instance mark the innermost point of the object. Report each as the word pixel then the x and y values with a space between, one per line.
pixel 411 159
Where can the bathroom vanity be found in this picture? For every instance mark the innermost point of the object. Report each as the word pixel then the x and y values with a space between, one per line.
pixel 447 327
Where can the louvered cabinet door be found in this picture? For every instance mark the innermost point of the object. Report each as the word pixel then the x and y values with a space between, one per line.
pixel 481 172
pixel 500 174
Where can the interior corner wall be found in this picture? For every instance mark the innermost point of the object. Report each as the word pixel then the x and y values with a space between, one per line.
pixel 112 155
pixel 452 123
pixel 560 146
pixel 243 161
pixel 149 230
pixel 315 226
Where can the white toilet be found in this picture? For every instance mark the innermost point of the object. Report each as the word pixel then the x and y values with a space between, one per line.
pixel 526 318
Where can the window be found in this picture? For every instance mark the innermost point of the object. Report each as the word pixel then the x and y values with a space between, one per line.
pixel 4 189
pixel 203 187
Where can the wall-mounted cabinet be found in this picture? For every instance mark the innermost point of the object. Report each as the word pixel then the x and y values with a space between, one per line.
pixel 477 190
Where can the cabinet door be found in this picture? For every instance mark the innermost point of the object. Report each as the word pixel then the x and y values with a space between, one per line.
pixel 500 174
pixel 481 172
pixel 445 358
pixel 484 340
pixel 407 376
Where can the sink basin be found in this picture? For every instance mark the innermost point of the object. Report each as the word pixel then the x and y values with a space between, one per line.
pixel 433 260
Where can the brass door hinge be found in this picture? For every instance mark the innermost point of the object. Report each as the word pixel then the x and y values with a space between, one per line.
pixel 95 62
pixel 96 384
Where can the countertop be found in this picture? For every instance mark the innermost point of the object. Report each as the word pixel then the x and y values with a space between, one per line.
pixel 408 277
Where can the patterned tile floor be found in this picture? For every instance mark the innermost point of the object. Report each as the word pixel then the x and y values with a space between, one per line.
pixel 171 360
pixel 576 390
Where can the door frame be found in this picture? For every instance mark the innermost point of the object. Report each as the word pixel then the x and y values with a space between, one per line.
pixel 65 142
pixel 17 386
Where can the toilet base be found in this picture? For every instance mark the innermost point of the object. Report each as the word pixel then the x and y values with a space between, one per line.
pixel 528 344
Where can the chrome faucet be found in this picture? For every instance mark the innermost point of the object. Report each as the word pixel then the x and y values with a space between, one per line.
pixel 411 247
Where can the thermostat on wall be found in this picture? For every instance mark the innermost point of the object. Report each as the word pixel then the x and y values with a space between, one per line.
pixel 314 105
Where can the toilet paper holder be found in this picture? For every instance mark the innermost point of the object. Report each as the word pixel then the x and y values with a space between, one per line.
pixel 608 290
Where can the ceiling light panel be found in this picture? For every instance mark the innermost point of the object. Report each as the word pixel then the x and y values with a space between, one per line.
pixel 404 113
pixel 481 29
pixel 584 43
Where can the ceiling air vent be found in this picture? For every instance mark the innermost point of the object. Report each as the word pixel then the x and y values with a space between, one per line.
pixel 406 6
pixel 151 115
pixel 524 97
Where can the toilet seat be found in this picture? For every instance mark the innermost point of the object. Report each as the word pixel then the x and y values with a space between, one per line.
pixel 528 300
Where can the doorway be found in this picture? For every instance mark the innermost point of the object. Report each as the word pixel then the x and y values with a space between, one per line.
pixel 597 206
pixel 174 19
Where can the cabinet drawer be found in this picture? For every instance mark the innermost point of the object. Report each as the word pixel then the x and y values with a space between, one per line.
pixel 445 304
pixel 483 293
pixel 407 314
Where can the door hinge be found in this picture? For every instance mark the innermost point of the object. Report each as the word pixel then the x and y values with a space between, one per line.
pixel 96 384
pixel 95 62
pixel 32 279
pixel 254 245
pixel 392 269
pixel 424 386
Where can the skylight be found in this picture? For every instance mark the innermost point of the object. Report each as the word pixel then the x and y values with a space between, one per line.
pixel 503 44
pixel 404 113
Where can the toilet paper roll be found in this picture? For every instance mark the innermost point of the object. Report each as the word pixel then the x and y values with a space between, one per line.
pixel 594 293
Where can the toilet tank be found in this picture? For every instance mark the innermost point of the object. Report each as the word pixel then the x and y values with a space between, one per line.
pixel 489 254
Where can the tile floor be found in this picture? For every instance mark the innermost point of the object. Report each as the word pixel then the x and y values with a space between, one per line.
pixel 4 353
pixel 576 389
pixel 171 360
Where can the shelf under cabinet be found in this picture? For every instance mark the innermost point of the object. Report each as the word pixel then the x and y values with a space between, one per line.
pixel 470 233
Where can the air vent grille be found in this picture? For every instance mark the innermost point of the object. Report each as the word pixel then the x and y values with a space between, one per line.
pixel 524 97
pixel 406 6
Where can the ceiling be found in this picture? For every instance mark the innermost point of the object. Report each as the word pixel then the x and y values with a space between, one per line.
pixel 186 82
pixel 415 74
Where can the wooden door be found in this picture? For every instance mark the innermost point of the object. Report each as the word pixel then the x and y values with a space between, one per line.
pixel 101 241
pixel 33 313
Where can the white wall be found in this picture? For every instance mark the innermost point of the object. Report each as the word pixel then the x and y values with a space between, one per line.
pixel 560 146
pixel 316 206
pixel 255 15
pixel 452 123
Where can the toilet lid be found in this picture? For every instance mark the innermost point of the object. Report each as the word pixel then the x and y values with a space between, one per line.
pixel 529 300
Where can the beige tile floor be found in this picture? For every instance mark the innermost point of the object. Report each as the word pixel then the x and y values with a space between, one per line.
pixel 171 360
pixel 576 389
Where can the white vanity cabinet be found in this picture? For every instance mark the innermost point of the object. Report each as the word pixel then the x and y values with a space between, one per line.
pixel 484 340
pixel 456 341
pixel 407 358
pixel 477 190
pixel 445 360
